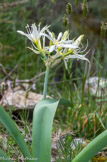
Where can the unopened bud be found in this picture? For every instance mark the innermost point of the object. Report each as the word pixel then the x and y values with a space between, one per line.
pixel 53 60
pixel 65 35
pixel 79 39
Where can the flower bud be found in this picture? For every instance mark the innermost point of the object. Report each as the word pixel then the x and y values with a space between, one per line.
pixel 78 40
pixel 53 61
pixel 65 35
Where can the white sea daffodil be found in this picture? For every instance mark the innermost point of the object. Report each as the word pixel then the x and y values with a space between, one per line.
pixel 62 46
pixel 75 53
pixel 62 41
pixel 68 53
pixel 34 34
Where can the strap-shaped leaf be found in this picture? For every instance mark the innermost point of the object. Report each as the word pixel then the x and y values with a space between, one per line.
pixel 62 102
pixel 11 126
pixel 42 127
pixel 92 148
pixel 4 157
pixel 65 102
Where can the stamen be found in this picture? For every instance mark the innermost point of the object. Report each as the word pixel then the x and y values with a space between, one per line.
pixel 34 45
pixel 28 29
pixel 85 47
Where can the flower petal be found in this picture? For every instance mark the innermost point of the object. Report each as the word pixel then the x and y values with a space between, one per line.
pixel 59 36
pixel 51 49
pixel 51 35
pixel 82 57
pixel 35 32
pixel 46 35
pixel 27 35
pixel 21 32
pixel 68 46
pixel 37 52
pixel 67 42
pixel 45 28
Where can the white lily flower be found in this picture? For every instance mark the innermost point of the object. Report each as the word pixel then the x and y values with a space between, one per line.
pixel 62 41
pixel 69 49
pixel 34 34
pixel 74 54
pixel 64 47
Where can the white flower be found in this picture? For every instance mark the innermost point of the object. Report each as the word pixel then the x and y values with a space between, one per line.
pixel 62 41
pixel 69 49
pixel 75 53
pixel 63 47
pixel 76 56
pixel 34 34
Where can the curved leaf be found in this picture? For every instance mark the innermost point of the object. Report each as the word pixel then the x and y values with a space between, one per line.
pixel 62 102
pixel 92 148
pixel 65 102
pixel 4 157
pixel 42 127
pixel 11 126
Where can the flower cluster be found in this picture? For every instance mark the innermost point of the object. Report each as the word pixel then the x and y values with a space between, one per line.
pixel 60 48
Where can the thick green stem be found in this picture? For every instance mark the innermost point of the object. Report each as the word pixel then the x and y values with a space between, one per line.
pixel 46 83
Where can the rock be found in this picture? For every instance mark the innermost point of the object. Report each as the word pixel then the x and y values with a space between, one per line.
pixel 77 142
pixel 20 99
pixel 96 86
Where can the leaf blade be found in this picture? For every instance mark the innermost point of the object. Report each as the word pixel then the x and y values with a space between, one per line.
pixel 65 102
pixel 4 157
pixel 42 126
pixel 11 126
pixel 92 148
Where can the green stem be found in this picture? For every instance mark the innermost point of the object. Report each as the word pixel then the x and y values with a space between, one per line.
pixel 46 83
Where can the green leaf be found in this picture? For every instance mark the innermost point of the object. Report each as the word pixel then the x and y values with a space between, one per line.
pixel 11 126
pixel 43 116
pixel 100 119
pixel 4 157
pixel 62 102
pixel 65 102
pixel 92 148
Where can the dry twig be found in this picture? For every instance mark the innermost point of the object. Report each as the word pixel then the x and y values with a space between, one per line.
pixel 13 4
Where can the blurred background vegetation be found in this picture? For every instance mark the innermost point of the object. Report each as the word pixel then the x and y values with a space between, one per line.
pixel 87 117
pixel 14 15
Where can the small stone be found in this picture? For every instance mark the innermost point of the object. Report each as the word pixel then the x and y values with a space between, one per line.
pixel 96 86
pixel 20 99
